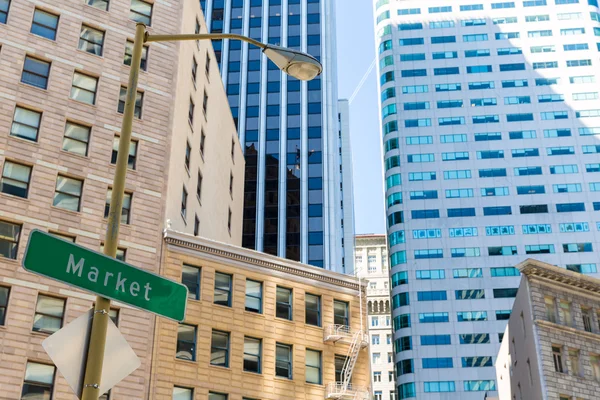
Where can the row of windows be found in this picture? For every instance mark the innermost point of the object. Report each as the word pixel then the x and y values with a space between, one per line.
pixel 221 345
pixel 394 180
pixel 404 321
pixel 483 37
pixel 487 173
pixel 405 343
pixel 223 295
pixel 408 390
pixel 492 118
pixel 45 24
pixel 403 299
pixel 391 109
pixel 494 6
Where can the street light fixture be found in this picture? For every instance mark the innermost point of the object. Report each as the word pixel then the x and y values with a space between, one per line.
pixel 294 63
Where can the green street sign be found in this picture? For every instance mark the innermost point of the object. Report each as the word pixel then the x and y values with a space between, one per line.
pixel 90 270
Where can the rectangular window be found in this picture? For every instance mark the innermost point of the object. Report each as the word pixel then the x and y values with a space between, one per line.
pixel 131 158
pixel 26 124
pixel 502 315
pixel 438 295
pixel 125 211
pixel 44 24
pixel 504 271
pixel 252 355
pixel 466 316
pixel 505 293
pixel 477 53
pixel 442 362
pixel 313 366
pixel 460 252
pixel 481 85
pixel 474 338
pixel 557 356
pixel 341 313
pixel 502 250
pixel 479 386
pixel 284 303
pixel 184 196
pixel 219 349
pixel 430 274
pixel 312 309
pixel 91 40
pixel 441 24
pixel 253 296
pixel 186 342
pixel 15 179
pixel 283 360
pixel 190 277
pixel 67 193
pixel 4 292
pixel 444 55
pixel 223 291
pixel 39 381
pixel 141 11
pixel 84 88
pixel 76 138
pixel 432 317
pixel 467 273
pixel 139 98
pixel 476 362
pixel 179 393
pixel 49 313
pixel 470 294
pixel 35 72
pixel 448 87
pixel 129 54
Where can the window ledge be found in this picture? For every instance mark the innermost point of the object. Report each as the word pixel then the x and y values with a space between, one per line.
pixel 92 54
pixel 14 197
pixel 68 211
pixel 39 89
pixel 222 306
pixel 181 360
pixel 219 367
pixel 84 103
pixel 63 151
pixel 20 139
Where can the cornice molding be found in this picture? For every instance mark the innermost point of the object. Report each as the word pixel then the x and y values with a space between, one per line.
pixel 551 273
pixel 262 260
pixel 567 329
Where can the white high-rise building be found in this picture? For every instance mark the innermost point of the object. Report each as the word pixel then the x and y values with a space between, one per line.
pixel 346 188
pixel 491 138
pixel 371 264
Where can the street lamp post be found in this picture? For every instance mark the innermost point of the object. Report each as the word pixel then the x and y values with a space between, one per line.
pixel 294 63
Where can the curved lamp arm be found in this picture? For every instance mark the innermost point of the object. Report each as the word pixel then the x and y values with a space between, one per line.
pixel 294 63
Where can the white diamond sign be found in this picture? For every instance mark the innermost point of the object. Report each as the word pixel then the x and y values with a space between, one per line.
pixel 67 349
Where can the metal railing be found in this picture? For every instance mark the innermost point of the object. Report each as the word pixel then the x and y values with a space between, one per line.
pixel 338 390
pixel 337 332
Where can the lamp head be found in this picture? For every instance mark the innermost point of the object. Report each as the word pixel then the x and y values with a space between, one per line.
pixel 294 63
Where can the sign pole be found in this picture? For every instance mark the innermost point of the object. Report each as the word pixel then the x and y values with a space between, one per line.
pixel 97 342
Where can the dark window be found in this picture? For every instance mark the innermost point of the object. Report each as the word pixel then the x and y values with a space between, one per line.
pixel 129 55
pixel 499 210
pixel 4 292
pixel 312 309
pixel 283 360
pixel 100 4
pixel 186 342
pixel 190 277
pixel 219 349
pixel 461 212
pixel 139 98
pixel 570 207
pixel 284 303
pixel 252 354
pixel 534 209
pixel 15 179
pixel 132 157
pixel 125 210
pixel 223 289
pixel 504 293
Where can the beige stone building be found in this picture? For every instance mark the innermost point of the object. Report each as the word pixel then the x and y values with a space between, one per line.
pixel 551 346
pixel 258 327
pixel 63 70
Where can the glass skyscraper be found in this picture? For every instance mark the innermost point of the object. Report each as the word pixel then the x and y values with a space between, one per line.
pixel 491 140
pixel 288 128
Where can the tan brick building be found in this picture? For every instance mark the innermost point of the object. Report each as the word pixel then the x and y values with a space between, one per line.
pixel 257 327
pixel 551 346
pixel 63 67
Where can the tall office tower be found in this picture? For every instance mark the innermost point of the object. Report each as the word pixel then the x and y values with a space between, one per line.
pixel 288 128
pixel 490 129
pixel 371 264
pixel 65 66
pixel 346 188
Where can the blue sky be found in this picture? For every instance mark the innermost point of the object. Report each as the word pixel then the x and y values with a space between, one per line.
pixel 356 51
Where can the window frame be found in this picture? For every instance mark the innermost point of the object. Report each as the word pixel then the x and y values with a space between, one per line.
pixel 91 42
pixel 66 194
pixel 197 293
pixel 308 310
pixel 38 383
pixel 144 18
pixel 259 310
pixel 193 343
pixel 4 177
pixel 129 55
pixel 139 102
pixel 258 355
pixel 288 305
pixel 318 367
pixel 74 88
pixel 225 349
pixel 47 315
pixel 223 291
pixel 37 62
pixel 289 361
pixel 67 138
pixel 4 305
pixel 43 26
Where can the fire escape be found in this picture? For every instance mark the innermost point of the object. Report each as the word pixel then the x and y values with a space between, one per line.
pixel 357 340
